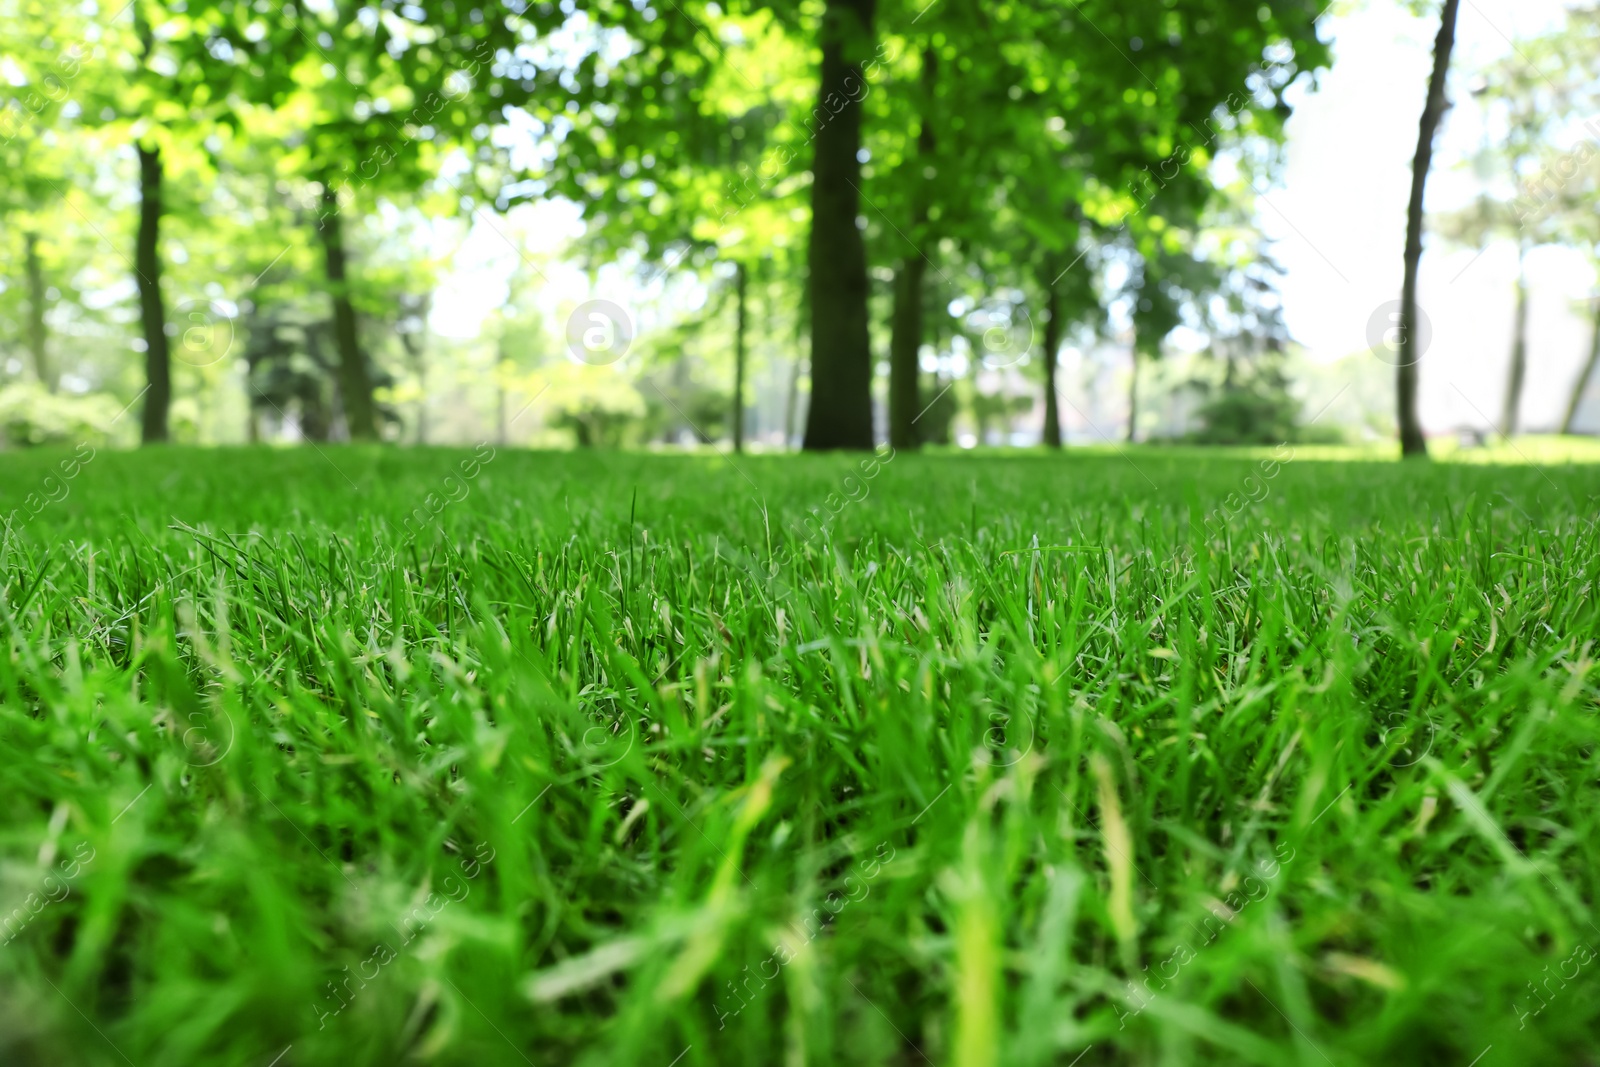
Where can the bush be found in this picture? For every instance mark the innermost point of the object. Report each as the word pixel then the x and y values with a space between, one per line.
pixel 1249 408
pixel 31 416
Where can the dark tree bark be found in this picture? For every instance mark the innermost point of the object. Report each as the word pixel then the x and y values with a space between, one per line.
pixel 905 339
pixel 147 270
pixel 1411 440
pixel 1519 353
pixel 1052 347
pixel 152 310
pixel 840 415
pixel 1584 376
pixel 355 386
pixel 36 334
pixel 741 283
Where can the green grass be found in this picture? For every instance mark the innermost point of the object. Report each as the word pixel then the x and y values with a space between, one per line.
pixel 572 773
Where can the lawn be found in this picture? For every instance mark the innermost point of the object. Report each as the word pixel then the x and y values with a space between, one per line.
pixel 374 756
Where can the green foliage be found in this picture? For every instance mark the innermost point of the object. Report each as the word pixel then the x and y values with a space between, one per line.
pixel 595 403
pixel 1540 167
pixel 999 145
pixel 30 416
pixel 1251 407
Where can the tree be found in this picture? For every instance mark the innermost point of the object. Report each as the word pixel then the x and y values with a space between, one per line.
pixel 659 97
pixel 905 341
pixel 1165 278
pixel 378 98
pixel 1411 439
pixel 742 288
pixel 1581 214
pixel 24 211
pixel 1580 385
pixel 160 102
pixel 521 346
pixel 1059 153
pixel 35 164
pixel 1243 318
pixel 147 269
pixel 1542 174
pixel 840 415
pixel 681 156
pixel 1528 99
pixel 1477 226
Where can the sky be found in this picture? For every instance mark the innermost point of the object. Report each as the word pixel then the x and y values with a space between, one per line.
pixel 1336 213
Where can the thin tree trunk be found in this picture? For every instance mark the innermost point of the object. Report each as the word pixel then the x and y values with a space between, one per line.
pixel 1519 352
pixel 147 270
pixel 1052 347
pixel 1133 391
pixel 741 283
pixel 905 339
pixel 791 413
pixel 791 403
pixel 840 415
pixel 1411 440
pixel 418 360
pixel 422 401
pixel 500 393
pixel 36 334
pixel 152 311
pixel 1582 384
pixel 355 387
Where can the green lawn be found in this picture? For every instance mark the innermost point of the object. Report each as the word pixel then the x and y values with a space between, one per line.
pixel 1144 758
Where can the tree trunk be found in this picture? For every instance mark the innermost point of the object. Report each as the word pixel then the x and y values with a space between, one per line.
pixel 840 415
pixel 905 339
pixel 418 359
pixel 1582 384
pixel 355 387
pixel 905 342
pixel 741 284
pixel 500 393
pixel 791 403
pixel 153 314
pixel 1052 347
pixel 1411 440
pixel 1133 390
pixel 36 334
pixel 1519 353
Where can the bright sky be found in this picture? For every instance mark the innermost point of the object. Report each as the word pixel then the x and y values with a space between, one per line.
pixel 1338 214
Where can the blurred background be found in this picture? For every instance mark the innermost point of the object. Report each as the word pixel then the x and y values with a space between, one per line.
pixel 480 257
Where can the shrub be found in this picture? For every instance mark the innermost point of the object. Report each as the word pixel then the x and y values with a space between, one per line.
pixel 31 416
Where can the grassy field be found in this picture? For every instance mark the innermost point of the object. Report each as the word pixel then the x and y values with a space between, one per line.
pixel 372 757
